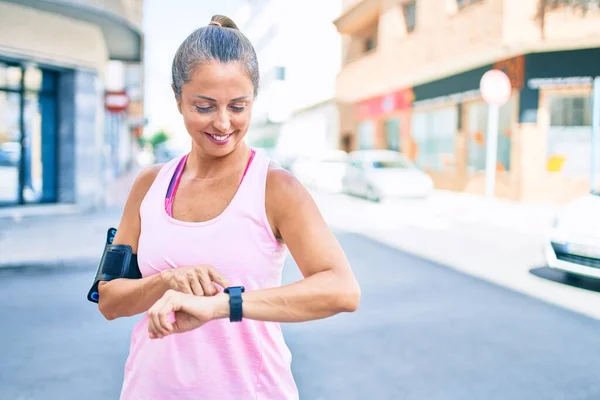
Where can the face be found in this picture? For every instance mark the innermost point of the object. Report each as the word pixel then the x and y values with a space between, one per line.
pixel 216 105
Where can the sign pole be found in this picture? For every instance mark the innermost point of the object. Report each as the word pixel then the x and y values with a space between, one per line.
pixel 595 134
pixel 496 89
pixel 492 149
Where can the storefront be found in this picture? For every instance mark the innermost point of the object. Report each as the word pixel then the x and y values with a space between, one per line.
pixel 383 122
pixel 57 146
pixel 28 134
pixel 557 106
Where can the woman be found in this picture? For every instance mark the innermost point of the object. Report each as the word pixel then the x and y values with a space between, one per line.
pixel 208 223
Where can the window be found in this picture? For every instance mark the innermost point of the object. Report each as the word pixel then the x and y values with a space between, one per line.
pixel 279 73
pixel 366 135
pixel 464 3
pixel 434 132
pixel 392 164
pixel 409 11
pixel 569 138
pixel 477 131
pixel 570 111
pixel 28 116
pixel 392 133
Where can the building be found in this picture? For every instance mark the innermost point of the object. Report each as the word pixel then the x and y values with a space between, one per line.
pixel 410 81
pixel 70 99
pixel 299 54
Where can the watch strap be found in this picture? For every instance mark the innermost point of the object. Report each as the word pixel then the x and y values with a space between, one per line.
pixel 235 303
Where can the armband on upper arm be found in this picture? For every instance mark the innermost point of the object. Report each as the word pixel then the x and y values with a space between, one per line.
pixel 118 261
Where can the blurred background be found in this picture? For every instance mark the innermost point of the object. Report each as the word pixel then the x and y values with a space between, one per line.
pixel 482 216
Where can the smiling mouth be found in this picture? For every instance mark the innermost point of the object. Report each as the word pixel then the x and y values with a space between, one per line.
pixel 219 138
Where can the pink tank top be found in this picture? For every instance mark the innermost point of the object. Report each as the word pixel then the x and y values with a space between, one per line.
pixel 221 360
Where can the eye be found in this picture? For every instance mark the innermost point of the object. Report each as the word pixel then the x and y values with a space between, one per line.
pixel 237 108
pixel 203 109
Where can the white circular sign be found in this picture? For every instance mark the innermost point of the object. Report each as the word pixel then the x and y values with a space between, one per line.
pixel 495 87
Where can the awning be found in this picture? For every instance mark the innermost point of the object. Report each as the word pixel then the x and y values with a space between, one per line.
pixel 123 39
pixel 358 16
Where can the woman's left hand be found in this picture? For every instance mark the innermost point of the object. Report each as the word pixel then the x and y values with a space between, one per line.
pixel 190 312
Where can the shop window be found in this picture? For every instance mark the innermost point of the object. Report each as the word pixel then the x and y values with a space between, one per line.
pixel 410 13
pixel 569 135
pixel 392 133
pixel 27 135
pixel 477 130
pixel 366 135
pixel 434 133
pixel 10 76
pixel 570 111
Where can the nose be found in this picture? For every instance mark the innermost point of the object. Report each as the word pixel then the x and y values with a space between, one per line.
pixel 222 123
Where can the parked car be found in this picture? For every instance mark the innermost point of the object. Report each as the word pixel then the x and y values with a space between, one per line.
pixel 573 245
pixel 322 171
pixel 379 174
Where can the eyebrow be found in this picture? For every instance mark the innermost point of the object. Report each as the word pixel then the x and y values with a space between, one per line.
pixel 214 100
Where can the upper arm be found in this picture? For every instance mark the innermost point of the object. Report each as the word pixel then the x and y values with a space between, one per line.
pixel 296 219
pixel 128 231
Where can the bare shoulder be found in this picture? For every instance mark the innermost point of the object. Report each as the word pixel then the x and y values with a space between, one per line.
pixel 144 180
pixel 129 227
pixel 287 199
pixel 282 185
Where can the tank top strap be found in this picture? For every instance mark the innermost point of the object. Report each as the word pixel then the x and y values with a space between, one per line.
pixel 158 189
pixel 251 196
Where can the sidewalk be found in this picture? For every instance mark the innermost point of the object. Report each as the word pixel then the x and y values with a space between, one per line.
pixel 62 239
pixel 494 240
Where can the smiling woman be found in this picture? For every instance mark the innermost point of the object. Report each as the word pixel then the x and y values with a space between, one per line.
pixel 211 231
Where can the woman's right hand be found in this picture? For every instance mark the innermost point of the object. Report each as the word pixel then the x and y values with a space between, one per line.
pixel 199 281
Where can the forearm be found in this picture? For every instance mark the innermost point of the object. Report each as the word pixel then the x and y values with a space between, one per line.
pixel 128 297
pixel 319 296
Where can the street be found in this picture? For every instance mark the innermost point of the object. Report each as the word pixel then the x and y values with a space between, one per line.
pixel 423 331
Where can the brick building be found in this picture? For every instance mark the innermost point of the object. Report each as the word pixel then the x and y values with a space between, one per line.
pixel 410 81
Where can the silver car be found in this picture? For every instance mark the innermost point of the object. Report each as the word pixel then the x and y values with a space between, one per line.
pixel 380 174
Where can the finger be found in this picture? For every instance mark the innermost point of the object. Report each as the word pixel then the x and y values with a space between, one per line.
pixel 153 322
pixel 218 278
pixel 165 324
pixel 207 285
pixel 197 287
pixel 184 286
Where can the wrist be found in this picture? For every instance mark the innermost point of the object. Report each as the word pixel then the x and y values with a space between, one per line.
pixel 220 305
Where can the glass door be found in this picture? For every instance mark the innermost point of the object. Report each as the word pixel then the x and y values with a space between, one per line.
pixel 10 147
pixel 28 128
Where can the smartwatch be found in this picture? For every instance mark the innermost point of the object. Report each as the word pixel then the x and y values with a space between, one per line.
pixel 235 303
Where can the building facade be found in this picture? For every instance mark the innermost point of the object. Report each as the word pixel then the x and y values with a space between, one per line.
pixel 299 53
pixel 410 82
pixel 64 130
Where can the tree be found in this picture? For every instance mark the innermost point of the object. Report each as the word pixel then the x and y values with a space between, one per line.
pixel 158 138
pixel 582 6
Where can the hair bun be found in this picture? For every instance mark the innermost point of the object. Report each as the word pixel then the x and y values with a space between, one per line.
pixel 223 21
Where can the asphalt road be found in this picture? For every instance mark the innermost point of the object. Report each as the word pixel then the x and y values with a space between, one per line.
pixel 423 332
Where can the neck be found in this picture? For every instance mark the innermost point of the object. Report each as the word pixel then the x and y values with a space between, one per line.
pixel 203 166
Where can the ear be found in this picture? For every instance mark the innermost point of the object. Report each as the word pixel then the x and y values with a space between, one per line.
pixel 177 98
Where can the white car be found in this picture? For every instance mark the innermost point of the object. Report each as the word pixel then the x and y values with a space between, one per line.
pixel 323 171
pixel 380 174
pixel 573 245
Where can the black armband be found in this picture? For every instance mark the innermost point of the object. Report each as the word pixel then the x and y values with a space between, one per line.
pixel 118 261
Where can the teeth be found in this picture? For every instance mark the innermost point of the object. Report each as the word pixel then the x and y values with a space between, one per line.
pixel 220 138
